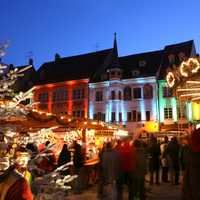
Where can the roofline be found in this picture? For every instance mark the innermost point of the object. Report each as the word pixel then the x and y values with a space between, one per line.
pixel 84 54
pixel 67 82
pixel 148 52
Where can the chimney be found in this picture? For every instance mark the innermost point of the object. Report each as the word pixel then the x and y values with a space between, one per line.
pixel 30 61
pixel 57 57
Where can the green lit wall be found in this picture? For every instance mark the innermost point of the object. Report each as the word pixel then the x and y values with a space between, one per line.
pixel 166 102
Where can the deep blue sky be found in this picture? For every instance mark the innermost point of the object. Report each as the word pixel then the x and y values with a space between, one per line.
pixel 70 27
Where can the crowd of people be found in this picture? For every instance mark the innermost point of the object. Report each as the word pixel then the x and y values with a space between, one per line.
pixel 122 163
pixel 134 163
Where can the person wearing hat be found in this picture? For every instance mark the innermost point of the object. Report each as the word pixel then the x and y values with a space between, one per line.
pixel 12 184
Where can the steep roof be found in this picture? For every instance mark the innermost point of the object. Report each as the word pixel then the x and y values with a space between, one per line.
pixel 141 65
pixel 28 79
pixel 93 65
pixel 72 68
pixel 187 49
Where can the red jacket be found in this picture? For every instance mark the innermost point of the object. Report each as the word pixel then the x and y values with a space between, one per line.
pixel 127 157
pixel 19 191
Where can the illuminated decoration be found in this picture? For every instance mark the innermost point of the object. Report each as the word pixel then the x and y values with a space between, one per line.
pixel 195 111
pixel 170 79
pixel 151 126
pixel 189 67
pixel 8 80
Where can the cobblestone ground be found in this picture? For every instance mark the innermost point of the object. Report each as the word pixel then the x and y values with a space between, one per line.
pixel 160 192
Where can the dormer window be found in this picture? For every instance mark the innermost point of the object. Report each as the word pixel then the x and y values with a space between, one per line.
pixel 181 56
pixel 142 63
pixel 171 58
pixel 135 73
pixel 114 74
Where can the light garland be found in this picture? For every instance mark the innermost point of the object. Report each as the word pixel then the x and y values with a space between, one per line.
pixel 170 79
pixel 189 67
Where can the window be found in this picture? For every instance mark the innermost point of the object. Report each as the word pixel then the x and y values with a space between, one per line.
pixel 127 94
pixel 129 116
pixel 120 95
pixel 43 97
pixel 148 91
pixel 60 94
pixel 136 93
pixel 138 116
pixel 103 117
pixel 78 94
pixel 167 92
pixel 142 63
pixel 95 116
pixel 99 96
pixel 112 94
pixel 120 117
pixel 134 115
pixel 113 117
pixel 100 116
pixel 171 58
pixel 168 113
pixel 148 115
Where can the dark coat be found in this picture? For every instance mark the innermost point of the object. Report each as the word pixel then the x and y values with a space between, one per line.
pixel 191 182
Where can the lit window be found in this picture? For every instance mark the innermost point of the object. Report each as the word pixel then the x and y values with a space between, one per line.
pixel 127 93
pixel 137 93
pixel 112 94
pixel 168 113
pixel 99 96
pixel 148 91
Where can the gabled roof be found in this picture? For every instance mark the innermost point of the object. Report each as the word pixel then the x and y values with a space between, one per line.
pixel 72 68
pixel 28 79
pixel 92 65
pixel 144 64
pixel 187 48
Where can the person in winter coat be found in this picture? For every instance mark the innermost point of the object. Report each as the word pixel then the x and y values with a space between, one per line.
pixel 78 161
pixel 172 151
pixel 64 157
pixel 154 160
pixel 13 186
pixel 127 165
pixel 164 160
pixel 140 171
pixel 191 180
pixel 110 170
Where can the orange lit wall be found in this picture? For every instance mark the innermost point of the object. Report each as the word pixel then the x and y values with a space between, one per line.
pixel 70 103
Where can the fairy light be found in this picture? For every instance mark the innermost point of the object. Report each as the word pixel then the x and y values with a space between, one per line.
pixel 193 82
pixel 170 79
pixel 187 89
pixel 192 94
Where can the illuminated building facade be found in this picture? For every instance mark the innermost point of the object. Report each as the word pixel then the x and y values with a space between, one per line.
pixel 124 90
pixel 130 91
pixel 62 86
pixel 172 111
pixel 64 98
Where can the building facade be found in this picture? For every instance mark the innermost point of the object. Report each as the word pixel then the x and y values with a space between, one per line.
pixel 128 102
pixel 63 98
pixel 130 91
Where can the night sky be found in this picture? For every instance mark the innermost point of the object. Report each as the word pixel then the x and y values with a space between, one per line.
pixel 41 28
